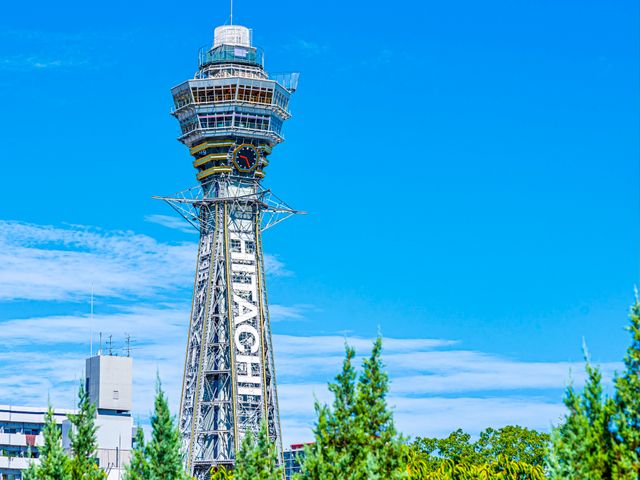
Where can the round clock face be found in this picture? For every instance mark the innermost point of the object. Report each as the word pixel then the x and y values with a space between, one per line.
pixel 245 158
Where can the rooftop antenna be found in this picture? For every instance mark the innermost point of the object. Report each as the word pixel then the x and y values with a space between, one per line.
pixel 128 348
pixel 91 325
pixel 111 345
pixel 100 350
pixel 231 19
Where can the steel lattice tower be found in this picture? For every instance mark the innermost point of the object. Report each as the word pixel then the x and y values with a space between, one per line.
pixel 231 115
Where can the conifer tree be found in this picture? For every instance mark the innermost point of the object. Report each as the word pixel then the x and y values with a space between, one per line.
pixel 581 446
pixel 84 464
pixel 331 455
pixel 138 467
pixel 381 438
pixel 625 423
pixel 257 459
pixel 54 464
pixel 164 449
pixel 355 438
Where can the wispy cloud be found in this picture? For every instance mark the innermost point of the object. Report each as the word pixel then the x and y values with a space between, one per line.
pixel 288 312
pixel 276 267
pixel 306 47
pixel 34 62
pixel 172 222
pixel 41 50
pixel 41 262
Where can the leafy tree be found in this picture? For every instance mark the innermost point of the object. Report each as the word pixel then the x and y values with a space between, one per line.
pixel 257 458
pixel 54 464
pixel 84 464
pixel 164 449
pixel 221 473
pixel 503 469
pixel 355 438
pixel 518 444
pixel 625 422
pixel 511 452
pixel 138 467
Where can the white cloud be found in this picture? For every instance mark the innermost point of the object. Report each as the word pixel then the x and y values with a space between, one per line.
pixel 172 222
pixel 274 266
pixel 36 62
pixel 56 263
pixel 288 312
pixel 43 262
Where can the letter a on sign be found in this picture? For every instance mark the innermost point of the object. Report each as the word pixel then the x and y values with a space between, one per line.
pixel 246 310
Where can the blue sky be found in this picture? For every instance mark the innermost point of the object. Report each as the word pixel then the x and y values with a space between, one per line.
pixel 470 170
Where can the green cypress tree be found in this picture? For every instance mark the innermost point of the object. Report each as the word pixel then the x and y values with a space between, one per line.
pixel 376 419
pixel 355 438
pixel 138 467
pixel 597 441
pixel 164 449
pixel 257 459
pixel 581 446
pixel 84 464
pixel 54 464
pixel 625 423
pixel 332 455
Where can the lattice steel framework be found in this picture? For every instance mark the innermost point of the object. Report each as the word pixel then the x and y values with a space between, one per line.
pixel 229 384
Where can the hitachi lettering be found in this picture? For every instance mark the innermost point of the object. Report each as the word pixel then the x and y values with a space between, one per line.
pixel 247 338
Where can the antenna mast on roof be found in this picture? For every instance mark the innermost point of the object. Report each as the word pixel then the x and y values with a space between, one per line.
pixel 231 18
pixel 91 325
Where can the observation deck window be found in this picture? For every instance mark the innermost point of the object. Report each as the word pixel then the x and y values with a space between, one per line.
pixel 188 124
pixel 252 122
pixel 281 100
pixel 231 54
pixel 255 94
pixel 216 120
pixel 182 98
pixel 276 125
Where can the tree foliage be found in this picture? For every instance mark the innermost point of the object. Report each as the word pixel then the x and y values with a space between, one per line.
pixel 138 467
pixel 83 463
pixel 511 452
pixel 164 449
pixel 54 463
pixel 519 444
pixel 599 438
pixel 355 438
pixel 257 458
pixel 625 421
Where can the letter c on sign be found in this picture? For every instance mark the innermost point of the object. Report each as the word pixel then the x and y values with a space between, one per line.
pixel 246 328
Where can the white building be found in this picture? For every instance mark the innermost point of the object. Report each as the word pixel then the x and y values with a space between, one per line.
pixel 20 437
pixel 109 384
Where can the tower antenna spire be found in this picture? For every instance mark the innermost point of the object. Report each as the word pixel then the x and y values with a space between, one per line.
pixel 231 18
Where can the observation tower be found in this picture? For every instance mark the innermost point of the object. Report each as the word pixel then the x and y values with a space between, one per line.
pixel 231 115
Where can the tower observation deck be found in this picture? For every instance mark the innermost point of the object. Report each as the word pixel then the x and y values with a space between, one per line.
pixel 231 115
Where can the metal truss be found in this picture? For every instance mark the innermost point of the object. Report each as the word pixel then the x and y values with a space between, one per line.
pixel 189 203
pixel 225 395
